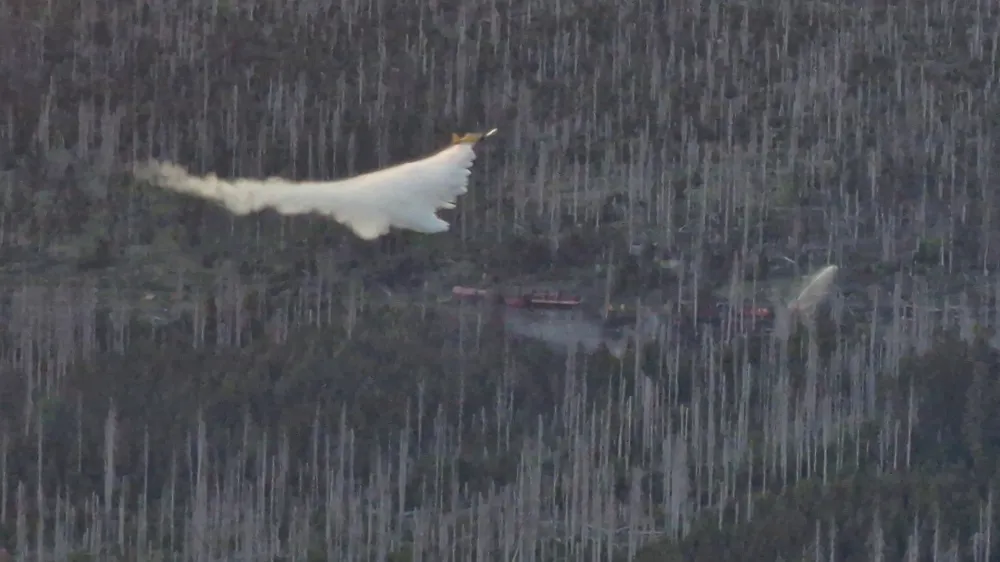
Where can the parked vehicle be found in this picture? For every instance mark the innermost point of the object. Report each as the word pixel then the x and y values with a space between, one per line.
pixel 533 299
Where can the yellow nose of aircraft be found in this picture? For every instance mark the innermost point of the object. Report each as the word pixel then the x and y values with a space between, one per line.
pixel 470 138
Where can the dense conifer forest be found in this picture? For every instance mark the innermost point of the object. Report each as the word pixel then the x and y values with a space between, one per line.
pixel 177 383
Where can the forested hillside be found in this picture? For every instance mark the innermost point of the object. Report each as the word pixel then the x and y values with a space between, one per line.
pixel 177 383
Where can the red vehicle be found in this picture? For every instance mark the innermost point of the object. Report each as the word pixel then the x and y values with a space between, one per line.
pixel 535 299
